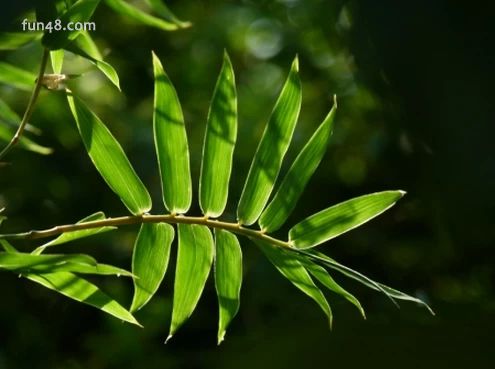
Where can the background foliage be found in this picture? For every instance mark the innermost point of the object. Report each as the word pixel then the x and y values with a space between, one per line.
pixel 414 113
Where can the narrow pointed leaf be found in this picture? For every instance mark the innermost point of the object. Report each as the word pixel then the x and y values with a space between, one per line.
pixel 341 218
pixel 140 16
pixel 171 143
pixel 79 12
pixel 16 77
pixel 86 43
pixel 293 184
pixel 72 236
pixel 228 278
pixel 81 290
pixel 150 261
pixel 194 259
pixel 292 269
pixel 219 143
pixel 41 263
pixel 57 58
pixel 322 275
pixel 271 150
pixel 5 244
pixel 368 282
pixel 15 40
pixel 103 66
pixel 26 143
pixel 109 159
pixel 163 11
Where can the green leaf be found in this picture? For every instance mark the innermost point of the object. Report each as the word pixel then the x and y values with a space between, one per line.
pixel 150 261
pixel 5 244
pixel 75 235
pixel 361 278
pixel 83 291
pixel 86 48
pixel 271 150
pixel 340 218
pixel 219 142
pixel 15 40
pixel 140 16
pixel 171 143
pixel 163 11
pixel 194 259
pixel 16 77
pixel 322 275
pixel 109 159
pixel 41 263
pixel 293 184
pixel 6 134
pixel 57 58
pixel 292 269
pixel 80 12
pixel 228 278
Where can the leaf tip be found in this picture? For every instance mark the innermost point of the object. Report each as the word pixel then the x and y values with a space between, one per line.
pixel 402 193
pixel 295 63
pixel 335 101
pixel 221 337
pixel 168 338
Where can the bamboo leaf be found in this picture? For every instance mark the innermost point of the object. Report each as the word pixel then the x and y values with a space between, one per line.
pixel 57 58
pixel 80 12
pixel 341 218
pixel 16 77
pixel 150 261
pixel 292 269
pixel 194 259
pixel 322 275
pixel 140 16
pixel 171 143
pixel 271 150
pixel 15 40
pixel 83 291
pixel 86 48
pixel 163 11
pixel 219 143
pixel 6 135
pixel 293 184
pixel 228 278
pixel 368 282
pixel 109 158
pixel 75 235
pixel 41 263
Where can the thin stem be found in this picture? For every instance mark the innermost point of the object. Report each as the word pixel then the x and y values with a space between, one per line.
pixel 30 107
pixel 146 218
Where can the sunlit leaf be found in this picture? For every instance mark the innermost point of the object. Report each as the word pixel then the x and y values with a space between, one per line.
pixel 6 134
pixel 57 58
pixel 140 16
pixel 5 244
pixel 219 142
pixel 322 275
pixel 150 261
pixel 86 48
pixel 194 259
pixel 80 12
pixel 271 150
pixel 228 278
pixel 171 143
pixel 109 158
pixel 293 184
pixel 163 11
pixel 341 218
pixel 75 235
pixel 361 278
pixel 16 77
pixel 292 269
pixel 15 40
pixel 81 290
pixel 41 263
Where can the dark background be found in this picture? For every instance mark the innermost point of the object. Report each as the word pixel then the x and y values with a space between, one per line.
pixel 415 87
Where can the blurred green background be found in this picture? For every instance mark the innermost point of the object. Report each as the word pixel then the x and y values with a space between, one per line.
pixel 415 87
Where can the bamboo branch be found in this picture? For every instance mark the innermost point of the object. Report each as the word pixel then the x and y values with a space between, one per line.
pixel 146 218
